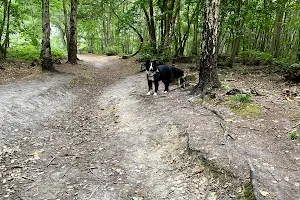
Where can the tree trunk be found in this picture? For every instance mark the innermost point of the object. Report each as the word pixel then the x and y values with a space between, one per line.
pixel 5 2
pixel 278 27
pixel 72 53
pixel 136 31
pixel 6 40
pixel 46 48
pixel 151 25
pixel 236 42
pixel 298 42
pixel 67 33
pixel 208 77
pixel 6 8
pixel 195 38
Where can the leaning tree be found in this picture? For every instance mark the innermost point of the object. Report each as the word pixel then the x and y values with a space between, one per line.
pixel 208 77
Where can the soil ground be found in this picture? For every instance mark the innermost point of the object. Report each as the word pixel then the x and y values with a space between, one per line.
pixel 89 132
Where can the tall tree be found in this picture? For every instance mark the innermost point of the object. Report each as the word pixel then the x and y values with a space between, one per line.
pixel 278 26
pixel 66 31
pixel 46 47
pixel 72 50
pixel 239 23
pixel 150 24
pixel 3 29
pixel 208 77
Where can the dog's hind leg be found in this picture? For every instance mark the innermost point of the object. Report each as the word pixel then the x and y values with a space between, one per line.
pixel 166 83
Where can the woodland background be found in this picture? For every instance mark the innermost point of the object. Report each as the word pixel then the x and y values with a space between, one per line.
pixel 252 31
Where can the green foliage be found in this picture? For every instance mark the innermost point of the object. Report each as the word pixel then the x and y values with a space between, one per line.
pixel 112 51
pixel 242 98
pixel 29 52
pixel 255 57
pixel 281 62
pixel 294 135
pixel 58 53
pixel 26 52
pixel 144 57
pixel 292 72
pixel 249 192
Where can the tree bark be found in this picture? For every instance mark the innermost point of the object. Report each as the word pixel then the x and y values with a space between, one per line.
pixel 136 31
pixel 195 38
pixel 6 40
pixel 67 33
pixel 208 77
pixel 278 27
pixel 72 53
pixel 46 48
pixel 151 25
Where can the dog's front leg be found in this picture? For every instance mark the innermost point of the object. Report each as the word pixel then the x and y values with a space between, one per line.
pixel 149 87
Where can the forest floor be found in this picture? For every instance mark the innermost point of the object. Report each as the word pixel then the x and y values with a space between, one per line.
pixel 90 132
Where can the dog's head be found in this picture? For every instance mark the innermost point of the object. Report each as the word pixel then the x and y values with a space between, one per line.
pixel 151 65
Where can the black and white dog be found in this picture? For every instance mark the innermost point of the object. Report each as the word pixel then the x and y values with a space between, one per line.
pixel 163 73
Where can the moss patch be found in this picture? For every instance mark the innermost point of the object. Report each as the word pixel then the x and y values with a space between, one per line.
pixel 242 106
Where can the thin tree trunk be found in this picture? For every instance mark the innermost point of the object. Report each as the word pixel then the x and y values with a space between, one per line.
pixel 67 33
pixel 208 77
pixel 72 53
pixel 236 41
pixel 278 27
pixel 151 25
pixel 5 2
pixel 137 32
pixel 108 29
pixel 6 40
pixel 46 48
pixel 2 50
pixel 195 38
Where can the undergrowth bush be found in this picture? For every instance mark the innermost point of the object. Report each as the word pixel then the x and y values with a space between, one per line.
pixel 111 51
pixel 29 52
pixel 253 57
pixel 292 72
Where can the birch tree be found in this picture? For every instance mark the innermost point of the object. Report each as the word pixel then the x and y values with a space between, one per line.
pixel 208 77
pixel 46 47
pixel 72 50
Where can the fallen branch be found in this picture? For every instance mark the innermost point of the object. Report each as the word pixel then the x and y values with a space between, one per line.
pixel 68 170
pixel 50 161
pixel 225 129
pixel 224 126
pixel 93 192
pixel 291 129
pixel 28 178
pixel 256 191
pixel 296 125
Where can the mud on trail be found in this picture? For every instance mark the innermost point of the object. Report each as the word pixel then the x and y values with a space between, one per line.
pixel 90 132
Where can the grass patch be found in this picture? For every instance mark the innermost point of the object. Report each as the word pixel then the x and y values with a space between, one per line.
pixel 294 135
pixel 295 117
pixel 198 101
pixel 242 105
pixel 249 192
pixel 242 98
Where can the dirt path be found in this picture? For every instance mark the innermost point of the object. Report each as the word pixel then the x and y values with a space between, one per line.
pixel 91 133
